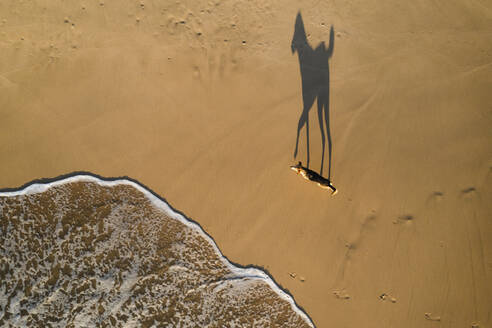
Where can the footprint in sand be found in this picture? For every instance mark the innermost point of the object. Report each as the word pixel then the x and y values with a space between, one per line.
pixel 407 219
pixel 293 275
pixel 387 297
pixel 434 198
pixel 437 196
pixel 341 294
pixel 431 317
pixel 196 72
pixel 469 192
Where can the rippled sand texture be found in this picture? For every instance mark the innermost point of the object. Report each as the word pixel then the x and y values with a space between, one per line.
pixel 83 255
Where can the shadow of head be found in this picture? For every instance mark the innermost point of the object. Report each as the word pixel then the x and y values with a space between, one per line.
pixel 300 41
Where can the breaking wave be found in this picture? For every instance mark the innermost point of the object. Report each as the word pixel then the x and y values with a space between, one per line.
pixel 88 251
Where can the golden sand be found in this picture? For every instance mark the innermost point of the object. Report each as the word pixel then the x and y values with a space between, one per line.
pixel 200 101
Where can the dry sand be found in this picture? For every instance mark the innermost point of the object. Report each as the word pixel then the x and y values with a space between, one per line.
pixel 200 101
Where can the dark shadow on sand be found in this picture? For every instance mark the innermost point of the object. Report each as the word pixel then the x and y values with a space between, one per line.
pixel 315 76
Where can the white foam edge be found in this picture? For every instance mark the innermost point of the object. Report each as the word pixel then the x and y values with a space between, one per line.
pixel 252 273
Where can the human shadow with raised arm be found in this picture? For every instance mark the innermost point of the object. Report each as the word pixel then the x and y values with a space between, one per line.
pixel 315 76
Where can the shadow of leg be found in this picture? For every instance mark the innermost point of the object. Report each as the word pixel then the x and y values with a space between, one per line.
pixel 302 120
pixel 327 120
pixel 307 138
pixel 322 129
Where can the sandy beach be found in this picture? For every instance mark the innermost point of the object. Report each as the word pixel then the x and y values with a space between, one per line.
pixel 200 101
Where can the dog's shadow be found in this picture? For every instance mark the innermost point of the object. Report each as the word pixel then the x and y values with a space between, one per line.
pixel 315 76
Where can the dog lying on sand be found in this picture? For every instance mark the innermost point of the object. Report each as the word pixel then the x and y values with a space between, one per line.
pixel 313 176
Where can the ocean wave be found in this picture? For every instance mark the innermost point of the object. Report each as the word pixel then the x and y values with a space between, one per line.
pixel 88 251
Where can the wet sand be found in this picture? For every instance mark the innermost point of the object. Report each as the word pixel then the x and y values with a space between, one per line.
pixel 200 101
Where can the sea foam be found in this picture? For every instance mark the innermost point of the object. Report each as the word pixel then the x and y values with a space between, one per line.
pixel 234 274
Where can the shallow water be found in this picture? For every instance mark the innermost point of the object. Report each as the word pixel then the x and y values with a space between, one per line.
pixel 87 252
